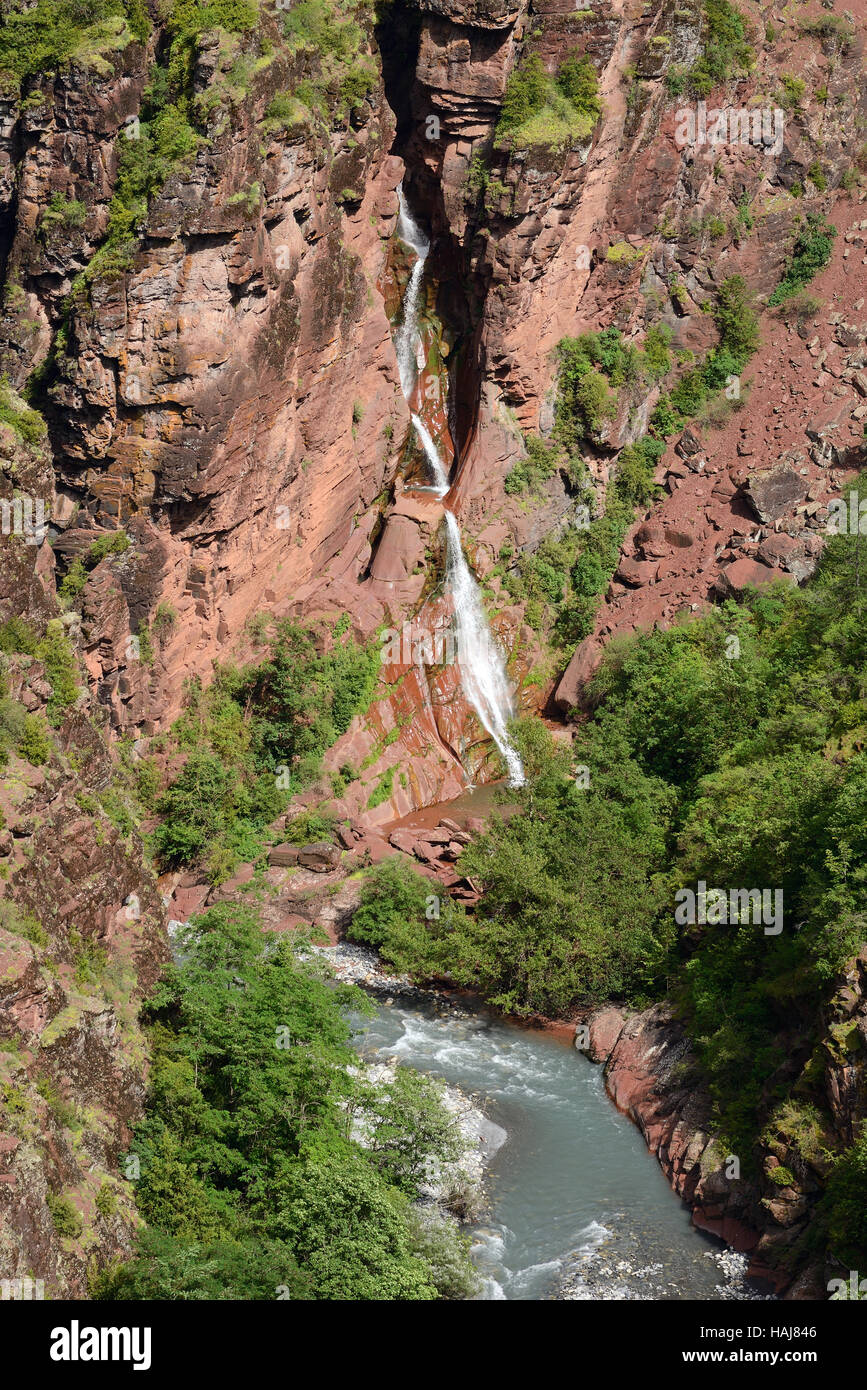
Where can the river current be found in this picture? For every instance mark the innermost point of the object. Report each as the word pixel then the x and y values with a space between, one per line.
pixel 577 1207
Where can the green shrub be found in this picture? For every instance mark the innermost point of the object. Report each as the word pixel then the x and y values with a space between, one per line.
pixel 73 582
pixel 35 744
pixel 310 826
pixel 541 110
pixel 21 922
pixel 16 635
pixel 383 789
pixel 280 714
pixel 64 1215
pixel 27 424
pixel 793 90
pixel 782 1177
pixel 111 543
pixel 725 48
pixel 577 80
pixel 846 1205
pixel 393 893
pixel 817 176
pixel 90 959
pixel 106 1201
pixel 526 90
pixel 61 670
pixel 62 212
pixel 636 466
pixel 810 254
pixel 531 473
pixel 736 318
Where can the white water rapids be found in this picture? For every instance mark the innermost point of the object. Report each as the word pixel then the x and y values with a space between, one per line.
pixel 480 661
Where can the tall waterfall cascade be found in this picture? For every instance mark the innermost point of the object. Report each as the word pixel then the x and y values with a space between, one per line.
pixel 480 661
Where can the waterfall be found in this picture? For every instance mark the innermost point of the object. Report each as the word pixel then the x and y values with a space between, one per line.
pixel 480 661
pixel 432 455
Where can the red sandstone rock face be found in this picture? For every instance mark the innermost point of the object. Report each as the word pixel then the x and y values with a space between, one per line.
pixel 652 1076
pixel 220 378
pixel 234 398
pixel 73 888
pixel 808 434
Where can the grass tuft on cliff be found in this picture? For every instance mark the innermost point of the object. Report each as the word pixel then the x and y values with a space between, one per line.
pixel 55 33
pixel 28 424
pixel 551 112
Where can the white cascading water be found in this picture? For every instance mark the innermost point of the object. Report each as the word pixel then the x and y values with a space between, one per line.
pixel 480 661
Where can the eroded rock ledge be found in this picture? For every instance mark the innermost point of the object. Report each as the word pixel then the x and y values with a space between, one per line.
pixel 652 1075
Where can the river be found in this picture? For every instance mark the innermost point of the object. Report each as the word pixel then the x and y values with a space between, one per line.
pixel 577 1206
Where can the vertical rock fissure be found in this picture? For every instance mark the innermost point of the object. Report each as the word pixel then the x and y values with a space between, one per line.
pixel 483 674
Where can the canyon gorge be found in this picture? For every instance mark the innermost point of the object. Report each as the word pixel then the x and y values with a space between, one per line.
pixel 382 372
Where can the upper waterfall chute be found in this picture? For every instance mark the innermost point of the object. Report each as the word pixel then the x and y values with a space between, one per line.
pixel 482 667
pixel 407 337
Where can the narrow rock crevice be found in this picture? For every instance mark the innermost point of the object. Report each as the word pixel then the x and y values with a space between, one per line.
pixel 420 142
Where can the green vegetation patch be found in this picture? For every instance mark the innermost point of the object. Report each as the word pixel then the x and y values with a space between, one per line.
pixel 726 48
pixel 553 112
pixel 54 33
pixel 254 1183
pixel 255 737
pixel 810 254
pixel 27 423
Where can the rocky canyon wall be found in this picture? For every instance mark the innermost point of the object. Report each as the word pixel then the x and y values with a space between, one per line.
pixel 768 1208
pixel 229 394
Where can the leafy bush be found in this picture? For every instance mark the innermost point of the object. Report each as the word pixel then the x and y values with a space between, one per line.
pixel 793 89
pixel 210 807
pixel 577 80
pixel 550 111
pixel 781 1176
pixel 21 922
pixel 810 254
pixel 280 714
pixel 736 318
pixel 393 892
pixel 61 670
pixel 34 743
pixel 310 826
pixel 28 424
pixel 636 466
pixel 737 323
pixel 16 635
pixel 250 1181
pixel 62 212
pixel 105 1201
pixel 725 48
pixel 65 1217
pixel 531 473
pixel 525 93
pixel 239 1268
pixel 846 1205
